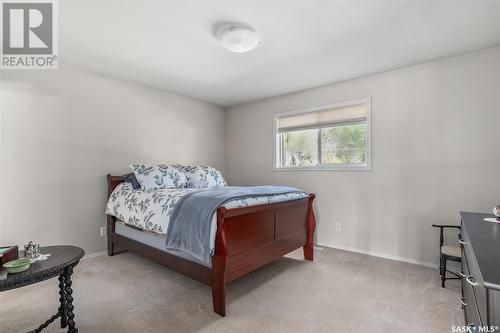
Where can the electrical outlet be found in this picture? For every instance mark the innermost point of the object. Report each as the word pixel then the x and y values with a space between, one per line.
pixel 338 226
pixel 102 231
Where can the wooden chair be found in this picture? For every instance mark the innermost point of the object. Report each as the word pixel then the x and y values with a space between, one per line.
pixel 447 252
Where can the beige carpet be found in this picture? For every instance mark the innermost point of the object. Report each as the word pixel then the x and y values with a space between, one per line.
pixel 339 292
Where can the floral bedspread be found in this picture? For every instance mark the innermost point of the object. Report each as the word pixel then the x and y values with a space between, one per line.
pixel 151 210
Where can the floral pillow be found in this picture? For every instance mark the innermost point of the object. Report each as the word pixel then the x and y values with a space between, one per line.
pixel 202 176
pixel 153 177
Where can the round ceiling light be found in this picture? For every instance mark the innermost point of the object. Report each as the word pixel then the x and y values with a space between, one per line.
pixel 239 39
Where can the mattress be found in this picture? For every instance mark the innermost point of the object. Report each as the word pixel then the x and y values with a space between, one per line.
pixel 158 241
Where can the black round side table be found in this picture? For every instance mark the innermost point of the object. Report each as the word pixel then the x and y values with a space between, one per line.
pixel 60 263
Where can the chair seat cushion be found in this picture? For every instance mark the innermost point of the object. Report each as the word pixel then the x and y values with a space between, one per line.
pixel 450 250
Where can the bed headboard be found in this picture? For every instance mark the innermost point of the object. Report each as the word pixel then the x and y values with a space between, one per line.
pixel 113 182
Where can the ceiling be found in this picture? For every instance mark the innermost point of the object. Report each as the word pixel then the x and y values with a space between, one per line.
pixel 171 45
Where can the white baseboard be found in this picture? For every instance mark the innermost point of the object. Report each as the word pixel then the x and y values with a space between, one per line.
pixel 94 255
pixel 378 254
pixel 330 245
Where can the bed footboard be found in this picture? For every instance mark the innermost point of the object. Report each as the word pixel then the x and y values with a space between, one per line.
pixel 251 237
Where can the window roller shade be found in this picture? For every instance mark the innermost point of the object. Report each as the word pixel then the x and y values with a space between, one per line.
pixel 322 118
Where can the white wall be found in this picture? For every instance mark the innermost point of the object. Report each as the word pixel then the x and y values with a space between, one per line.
pixel 436 138
pixel 63 130
pixel 435 151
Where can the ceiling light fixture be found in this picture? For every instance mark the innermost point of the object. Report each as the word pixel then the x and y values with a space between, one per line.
pixel 239 39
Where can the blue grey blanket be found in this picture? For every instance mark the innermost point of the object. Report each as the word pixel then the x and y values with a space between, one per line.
pixel 191 220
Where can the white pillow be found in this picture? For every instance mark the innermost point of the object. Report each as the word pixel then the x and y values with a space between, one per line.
pixel 152 177
pixel 203 176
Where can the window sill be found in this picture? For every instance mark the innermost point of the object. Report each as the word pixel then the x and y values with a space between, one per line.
pixel 327 168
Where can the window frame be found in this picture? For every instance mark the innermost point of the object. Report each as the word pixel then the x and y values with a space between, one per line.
pixel 367 166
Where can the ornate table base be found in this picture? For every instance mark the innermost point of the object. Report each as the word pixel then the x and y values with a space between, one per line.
pixel 65 311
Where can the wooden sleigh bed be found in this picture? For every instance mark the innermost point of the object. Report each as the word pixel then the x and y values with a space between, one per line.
pixel 247 238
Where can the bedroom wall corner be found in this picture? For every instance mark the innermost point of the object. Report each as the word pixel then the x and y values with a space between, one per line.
pixel 63 130
pixel 434 153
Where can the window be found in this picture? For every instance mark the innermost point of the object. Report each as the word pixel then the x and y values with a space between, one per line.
pixel 335 137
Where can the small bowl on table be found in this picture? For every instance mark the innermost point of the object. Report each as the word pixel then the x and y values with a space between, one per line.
pixel 17 266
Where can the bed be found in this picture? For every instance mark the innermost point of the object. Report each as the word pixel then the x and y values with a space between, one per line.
pixel 245 239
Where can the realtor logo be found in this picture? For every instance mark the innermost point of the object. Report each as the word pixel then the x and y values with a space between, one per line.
pixel 28 35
